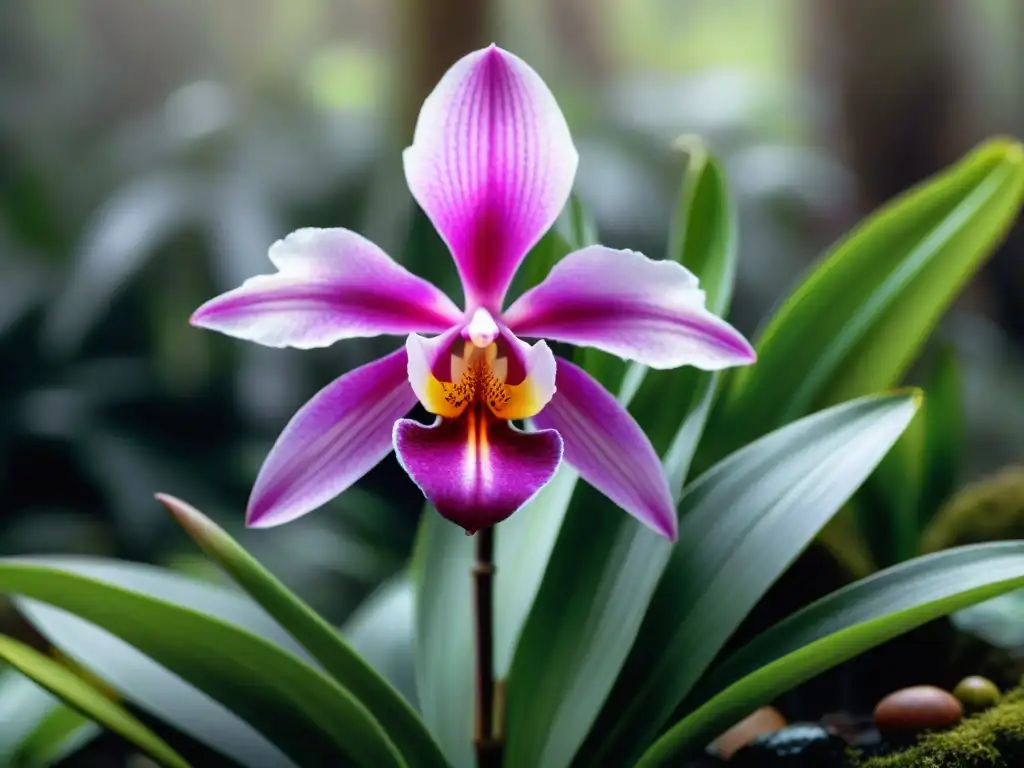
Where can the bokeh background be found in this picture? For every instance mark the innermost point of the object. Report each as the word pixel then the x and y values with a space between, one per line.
pixel 152 150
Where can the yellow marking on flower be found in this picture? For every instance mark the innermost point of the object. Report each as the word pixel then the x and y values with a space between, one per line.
pixel 523 401
pixel 435 399
pixel 479 375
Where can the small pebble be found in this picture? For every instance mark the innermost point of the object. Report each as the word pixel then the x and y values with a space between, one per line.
pixel 761 721
pixel 801 745
pixel 977 693
pixel 916 709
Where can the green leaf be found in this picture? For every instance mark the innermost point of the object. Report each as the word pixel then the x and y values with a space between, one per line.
pixel 741 525
pixel 71 688
pixel 402 724
pixel 672 406
pixel 146 684
pixel 523 546
pixel 896 503
pixel 605 565
pixel 679 457
pixel 576 225
pixel 943 426
pixel 60 733
pixel 836 628
pixel 444 634
pixel 574 228
pixel 886 507
pixel 589 607
pixel 381 630
pixel 37 726
pixel 860 317
pixel 296 707
pixel 703 233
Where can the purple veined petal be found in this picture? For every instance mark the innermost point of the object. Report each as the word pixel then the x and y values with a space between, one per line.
pixel 334 439
pixel 476 470
pixel 492 164
pixel 608 448
pixel 629 305
pixel 331 284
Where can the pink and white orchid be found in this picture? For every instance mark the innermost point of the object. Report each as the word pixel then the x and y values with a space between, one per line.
pixel 492 164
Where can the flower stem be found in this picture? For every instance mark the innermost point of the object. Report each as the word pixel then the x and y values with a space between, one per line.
pixel 488 748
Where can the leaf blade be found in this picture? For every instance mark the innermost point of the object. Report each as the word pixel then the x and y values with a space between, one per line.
pixel 848 315
pixel 72 689
pixel 296 707
pixel 876 609
pixel 62 732
pixel 34 720
pixel 673 406
pixel 943 434
pixel 140 680
pixel 729 553
pixel 443 641
pixel 318 637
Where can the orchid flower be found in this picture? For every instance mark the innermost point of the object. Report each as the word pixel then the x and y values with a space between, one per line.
pixel 492 165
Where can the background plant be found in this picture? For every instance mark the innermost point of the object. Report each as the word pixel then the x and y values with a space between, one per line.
pixel 608 644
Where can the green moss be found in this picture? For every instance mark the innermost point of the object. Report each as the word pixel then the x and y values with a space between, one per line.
pixel 990 510
pixel 992 739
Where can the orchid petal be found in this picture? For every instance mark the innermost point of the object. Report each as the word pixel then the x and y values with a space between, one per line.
pixel 492 165
pixel 629 305
pixel 477 469
pixel 331 284
pixel 608 448
pixel 335 439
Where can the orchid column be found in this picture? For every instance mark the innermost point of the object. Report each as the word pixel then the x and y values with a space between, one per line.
pixel 492 164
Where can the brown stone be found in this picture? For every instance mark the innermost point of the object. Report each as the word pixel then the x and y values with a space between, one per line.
pixel 763 720
pixel 916 709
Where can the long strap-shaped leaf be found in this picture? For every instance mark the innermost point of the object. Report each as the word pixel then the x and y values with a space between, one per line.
pixel 836 628
pixel 847 331
pixel 402 724
pixel 142 682
pixel 61 733
pixel 309 716
pixel 741 525
pixel 64 683
pixel 38 728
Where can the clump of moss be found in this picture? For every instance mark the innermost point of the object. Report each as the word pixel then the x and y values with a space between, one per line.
pixel 992 739
pixel 989 510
